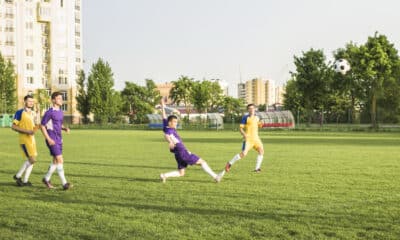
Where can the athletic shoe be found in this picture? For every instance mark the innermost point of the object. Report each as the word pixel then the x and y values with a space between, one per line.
pixel 27 184
pixel 18 181
pixel 227 167
pixel 258 170
pixel 219 176
pixel 47 183
pixel 67 186
pixel 163 178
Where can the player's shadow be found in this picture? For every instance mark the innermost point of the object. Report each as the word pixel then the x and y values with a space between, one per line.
pixel 130 179
pixel 117 165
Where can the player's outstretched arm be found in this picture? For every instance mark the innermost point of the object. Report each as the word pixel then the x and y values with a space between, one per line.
pixel 164 114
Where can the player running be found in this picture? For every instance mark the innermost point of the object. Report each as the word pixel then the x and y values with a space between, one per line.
pixel 52 125
pixel 182 156
pixel 24 123
pixel 250 139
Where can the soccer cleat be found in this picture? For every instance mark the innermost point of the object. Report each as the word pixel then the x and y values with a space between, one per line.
pixel 227 167
pixel 219 176
pixel 27 184
pixel 163 178
pixel 67 186
pixel 18 180
pixel 47 183
pixel 258 170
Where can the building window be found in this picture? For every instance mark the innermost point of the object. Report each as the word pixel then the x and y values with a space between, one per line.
pixel 62 80
pixel 29 66
pixel 30 93
pixel 29 52
pixel 61 3
pixel 64 107
pixel 29 25
pixel 29 80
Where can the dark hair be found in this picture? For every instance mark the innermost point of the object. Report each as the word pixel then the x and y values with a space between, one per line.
pixel 250 105
pixel 171 117
pixel 27 96
pixel 55 94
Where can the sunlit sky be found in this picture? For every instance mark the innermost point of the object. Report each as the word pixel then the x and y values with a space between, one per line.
pixel 231 40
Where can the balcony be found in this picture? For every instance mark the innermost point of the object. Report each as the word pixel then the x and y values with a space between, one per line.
pixel 10 43
pixel 9 29
pixel 9 15
pixel 44 12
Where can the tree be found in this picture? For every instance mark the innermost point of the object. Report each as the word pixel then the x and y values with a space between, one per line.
pixel 378 65
pixel 8 99
pixel 82 97
pixel 182 91
pixel 313 77
pixel 293 99
pixel 232 107
pixel 138 101
pixel 101 94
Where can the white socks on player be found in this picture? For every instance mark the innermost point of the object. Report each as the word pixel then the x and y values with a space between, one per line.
pixel 60 171
pixel 25 165
pixel 208 170
pixel 171 174
pixel 50 172
pixel 235 159
pixel 259 161
pixel 28 171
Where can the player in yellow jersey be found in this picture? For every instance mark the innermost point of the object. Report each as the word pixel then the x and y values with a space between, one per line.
pixel 250 123
pixel 26 124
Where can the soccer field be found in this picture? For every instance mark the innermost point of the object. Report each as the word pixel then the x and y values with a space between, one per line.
pixel 313 186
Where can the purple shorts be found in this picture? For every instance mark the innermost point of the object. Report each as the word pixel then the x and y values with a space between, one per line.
pixel 184 158
pixel 55 150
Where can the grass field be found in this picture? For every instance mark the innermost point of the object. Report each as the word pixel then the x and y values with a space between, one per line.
pixel 313 186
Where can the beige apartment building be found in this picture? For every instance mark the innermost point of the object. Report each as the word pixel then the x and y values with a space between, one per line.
pixel 43 39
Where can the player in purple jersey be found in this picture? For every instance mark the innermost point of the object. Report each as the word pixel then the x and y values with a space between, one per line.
pixel 52 126
pixel 182 156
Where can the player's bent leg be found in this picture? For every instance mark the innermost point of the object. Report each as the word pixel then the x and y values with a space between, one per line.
pixel 178 173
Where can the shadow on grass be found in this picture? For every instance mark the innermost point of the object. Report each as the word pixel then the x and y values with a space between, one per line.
pixel 117 165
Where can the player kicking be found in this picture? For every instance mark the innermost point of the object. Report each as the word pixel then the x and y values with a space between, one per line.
pixel 24 123
pixel 182 156
pixel 52 125
pixel 250 139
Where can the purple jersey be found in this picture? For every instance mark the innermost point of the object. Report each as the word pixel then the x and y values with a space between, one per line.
pixel 53 121
pixel 182 156
pixel 173 134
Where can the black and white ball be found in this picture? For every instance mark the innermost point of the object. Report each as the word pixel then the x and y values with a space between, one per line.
pixel 341 66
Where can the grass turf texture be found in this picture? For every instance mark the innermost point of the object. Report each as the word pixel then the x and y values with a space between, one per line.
pixel 313 186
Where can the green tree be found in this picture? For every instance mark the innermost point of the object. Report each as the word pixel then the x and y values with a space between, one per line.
pixel 293 99
pixel 8 99
pixel 138 101
pixel 182 91
pixel 378 65
pixel 82 97
pixel 313 78
pixel 233 107
pixel 101 94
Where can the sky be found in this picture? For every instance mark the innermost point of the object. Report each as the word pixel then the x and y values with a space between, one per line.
pixel 231 40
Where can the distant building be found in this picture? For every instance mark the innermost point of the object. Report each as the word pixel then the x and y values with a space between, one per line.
pixel 164 89
pixel 259 91
pixel 43 39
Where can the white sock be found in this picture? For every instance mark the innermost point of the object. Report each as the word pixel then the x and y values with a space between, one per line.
pixel 23 168
pixel 235 159
pixel 50 172
pixel 208 170
pixel 60 171
pixel 172 174
pixel 259 161
pixel 28 173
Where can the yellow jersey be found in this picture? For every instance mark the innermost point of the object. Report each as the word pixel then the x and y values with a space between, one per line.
pixel 250 123
pixel 25 120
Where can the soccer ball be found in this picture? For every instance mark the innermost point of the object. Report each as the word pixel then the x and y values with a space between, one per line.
pixel 341 66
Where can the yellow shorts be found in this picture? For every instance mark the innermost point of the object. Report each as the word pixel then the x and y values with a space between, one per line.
pixel 29 149
pixel 251 143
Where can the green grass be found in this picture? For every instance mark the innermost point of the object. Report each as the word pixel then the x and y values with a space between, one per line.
pixel 313 186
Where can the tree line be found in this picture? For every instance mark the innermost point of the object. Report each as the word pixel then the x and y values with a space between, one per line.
pixel 368 93
pixel 96 95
